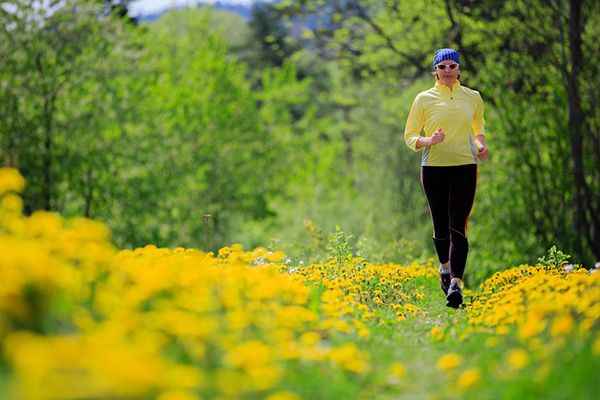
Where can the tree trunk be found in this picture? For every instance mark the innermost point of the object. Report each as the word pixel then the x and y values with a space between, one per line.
pixel 49 100
pixel 88 194
pixel 47 163
pixel 349 151
pixel 582 213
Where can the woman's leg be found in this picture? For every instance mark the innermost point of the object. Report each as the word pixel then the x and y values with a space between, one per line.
pixel 463 182
pixel 436 186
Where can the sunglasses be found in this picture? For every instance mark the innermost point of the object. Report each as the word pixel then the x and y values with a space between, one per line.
pixel 444 66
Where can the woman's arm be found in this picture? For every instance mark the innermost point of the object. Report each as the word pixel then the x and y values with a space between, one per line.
pixel 479 130
pixel 480 141
pixel 414 124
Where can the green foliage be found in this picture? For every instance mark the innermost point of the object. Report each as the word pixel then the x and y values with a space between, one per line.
pixel 316 234
pixel 554 258
pixel 203 138
pixel 62 99
pixel 537 148
pixel 340 247
pixel 402 250
pixel 202 129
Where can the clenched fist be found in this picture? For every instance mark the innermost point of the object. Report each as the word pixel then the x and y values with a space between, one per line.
pixel 437 137
pixel 483 153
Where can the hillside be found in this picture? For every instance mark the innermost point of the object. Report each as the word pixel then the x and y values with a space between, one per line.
pixel 243 10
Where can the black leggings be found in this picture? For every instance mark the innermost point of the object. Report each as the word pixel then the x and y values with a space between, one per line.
pixel 450 192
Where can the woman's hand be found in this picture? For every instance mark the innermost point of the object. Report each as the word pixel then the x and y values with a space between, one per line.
pixel 437 137
pixel 483 153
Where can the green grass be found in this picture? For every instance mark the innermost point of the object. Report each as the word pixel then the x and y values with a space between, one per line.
pixel 574 372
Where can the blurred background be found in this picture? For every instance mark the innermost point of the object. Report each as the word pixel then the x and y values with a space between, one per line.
pixel 201 124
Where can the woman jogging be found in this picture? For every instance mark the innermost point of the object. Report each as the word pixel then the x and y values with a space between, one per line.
pixel 451 116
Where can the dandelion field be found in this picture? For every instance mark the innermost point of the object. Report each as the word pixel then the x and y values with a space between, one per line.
pixel 80 319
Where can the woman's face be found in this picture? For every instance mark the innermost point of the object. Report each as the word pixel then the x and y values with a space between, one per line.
pixel 447 70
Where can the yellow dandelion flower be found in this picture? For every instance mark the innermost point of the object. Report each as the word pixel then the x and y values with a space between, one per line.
pixel 397 370
pixel 411 309
pixel 276 256
pixel 264 376
pixel 596 346
pixel 562 326
pixel 237 247
pixel 11 180
pixel 349 357
pixel 470 378
pixel 449 361
pixel 284 395
pixel 11 203
pixel 586 325
pixel 502 330
pixel 542 373
pixel 224 252
pixel 363 331
pixel 517 359
pixel 230 382
pixel 249 355
pixel 436 333
pixel 310 338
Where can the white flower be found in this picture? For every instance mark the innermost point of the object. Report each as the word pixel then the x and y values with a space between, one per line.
pixel 569 268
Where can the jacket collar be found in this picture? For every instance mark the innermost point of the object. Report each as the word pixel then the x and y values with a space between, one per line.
pixel 441 86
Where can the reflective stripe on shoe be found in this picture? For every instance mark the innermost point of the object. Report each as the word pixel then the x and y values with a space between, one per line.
pixel 445 279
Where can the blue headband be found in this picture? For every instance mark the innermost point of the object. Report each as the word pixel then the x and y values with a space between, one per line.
pixel 445 54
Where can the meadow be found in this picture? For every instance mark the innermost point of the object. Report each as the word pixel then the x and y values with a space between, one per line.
pixel 81 319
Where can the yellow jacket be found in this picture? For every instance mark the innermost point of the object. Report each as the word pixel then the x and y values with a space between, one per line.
pixel 460 115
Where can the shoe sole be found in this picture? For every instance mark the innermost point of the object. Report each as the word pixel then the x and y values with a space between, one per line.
pixel 454 300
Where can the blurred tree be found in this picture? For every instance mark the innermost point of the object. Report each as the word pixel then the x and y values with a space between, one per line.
pixel 236 31
pixel 202 157
pixel 393 37
pixel 363 57
pixel 58 62
pixel 270 34
pixel 120 8
pixel 536 66
pixel 388 44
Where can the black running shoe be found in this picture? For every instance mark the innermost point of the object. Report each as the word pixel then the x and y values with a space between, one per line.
pixel 445 281
pixel 454 298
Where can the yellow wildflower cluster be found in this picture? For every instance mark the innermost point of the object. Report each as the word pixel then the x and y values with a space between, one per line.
pixel 541 305
pixel 79 319
pixel 534 298
pixel 364 288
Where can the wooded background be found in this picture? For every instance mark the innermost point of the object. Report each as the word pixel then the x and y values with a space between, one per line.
pixel 203 128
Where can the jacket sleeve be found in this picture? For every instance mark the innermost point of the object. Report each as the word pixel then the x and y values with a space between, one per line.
pixel 478 121
pixel 414 124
